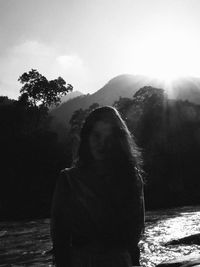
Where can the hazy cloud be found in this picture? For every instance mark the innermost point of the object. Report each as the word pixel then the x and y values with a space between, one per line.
pixel 69 61
pixel 48 60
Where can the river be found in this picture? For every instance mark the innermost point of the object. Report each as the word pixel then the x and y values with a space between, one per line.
pixel 26 243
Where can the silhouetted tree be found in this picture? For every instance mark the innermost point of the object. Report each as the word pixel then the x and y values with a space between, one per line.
pixel 79 116
pixel 38 90
pixel 31 153
pixel 76 122
pixel 150 102
pixel 122 105
pixel 168 131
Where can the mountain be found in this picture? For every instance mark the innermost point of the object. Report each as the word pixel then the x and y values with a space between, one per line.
pixel 126 85
pixel 187 88
pixel 123 85
pixel 70 95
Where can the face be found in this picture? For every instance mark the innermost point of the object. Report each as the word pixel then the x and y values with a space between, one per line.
pixel 100 140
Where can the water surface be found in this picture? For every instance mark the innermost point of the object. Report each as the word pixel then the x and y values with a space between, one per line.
pixel 27 243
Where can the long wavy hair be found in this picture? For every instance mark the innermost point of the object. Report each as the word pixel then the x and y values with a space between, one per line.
pixel 125 179
pixel 124 155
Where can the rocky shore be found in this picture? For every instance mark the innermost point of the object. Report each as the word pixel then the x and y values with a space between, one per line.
pixel 171 239
pixel 184 261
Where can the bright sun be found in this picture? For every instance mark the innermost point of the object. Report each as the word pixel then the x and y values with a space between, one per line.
pixel 166 54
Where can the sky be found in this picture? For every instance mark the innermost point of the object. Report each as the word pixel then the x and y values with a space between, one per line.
pixel 88 42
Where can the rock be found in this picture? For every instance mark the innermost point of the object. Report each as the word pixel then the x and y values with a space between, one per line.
pixel 188 240
pixel 185 261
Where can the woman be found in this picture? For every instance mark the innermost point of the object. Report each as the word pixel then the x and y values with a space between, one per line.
pixel 98 205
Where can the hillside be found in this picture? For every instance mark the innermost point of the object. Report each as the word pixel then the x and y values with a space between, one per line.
pixel 187 89
pixel 122 85
pixel 70 95
pixel 125 86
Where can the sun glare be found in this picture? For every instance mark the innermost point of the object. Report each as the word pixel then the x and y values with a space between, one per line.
pixel 166 54
pixel 165 62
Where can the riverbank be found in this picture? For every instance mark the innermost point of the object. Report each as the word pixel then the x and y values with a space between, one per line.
pixel 26 242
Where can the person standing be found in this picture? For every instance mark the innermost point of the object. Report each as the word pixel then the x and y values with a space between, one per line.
pixel 98 205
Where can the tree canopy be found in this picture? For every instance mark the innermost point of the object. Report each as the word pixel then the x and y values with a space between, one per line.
pixel 37 90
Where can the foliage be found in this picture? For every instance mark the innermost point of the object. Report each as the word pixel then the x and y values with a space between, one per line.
pixel 143 112
pixel 79 116
pixel 76 123
pixel 37 90
pixel 150 103
pixel 122 105
pixel 31 153
pixel 166 130
pixel 168 133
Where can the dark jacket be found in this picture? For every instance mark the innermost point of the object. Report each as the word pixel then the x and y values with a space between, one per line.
pixel 95 212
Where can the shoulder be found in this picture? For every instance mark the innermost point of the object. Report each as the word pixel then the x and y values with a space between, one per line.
pixel 67 175
pixel 62 191
pixel 69 172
